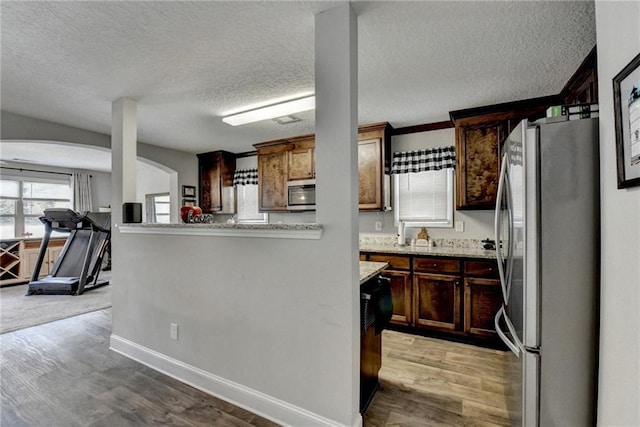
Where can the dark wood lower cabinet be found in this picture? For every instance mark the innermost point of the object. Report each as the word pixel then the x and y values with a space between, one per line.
pixel 436 301
pixel 401 295
pixel 453 296
pixel 482 300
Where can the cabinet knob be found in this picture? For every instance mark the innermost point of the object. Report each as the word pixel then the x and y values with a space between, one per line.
pixel 435 265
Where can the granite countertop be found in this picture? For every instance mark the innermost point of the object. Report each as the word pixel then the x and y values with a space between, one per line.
pixel 221 225
pixel 311 231
pixel 432 251
pixel 369 269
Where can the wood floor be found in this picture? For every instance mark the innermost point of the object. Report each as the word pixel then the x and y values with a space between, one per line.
pixel 63 374
pixel 430 382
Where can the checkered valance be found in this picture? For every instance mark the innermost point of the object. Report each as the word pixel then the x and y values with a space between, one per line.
pixel 245 177
pixel 424 160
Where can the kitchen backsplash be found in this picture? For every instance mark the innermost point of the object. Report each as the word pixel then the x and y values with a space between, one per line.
pixel 392 239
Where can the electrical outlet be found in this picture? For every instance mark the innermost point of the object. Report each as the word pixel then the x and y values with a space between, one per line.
pixel 459 226
pixel 173 330
pixel 378 225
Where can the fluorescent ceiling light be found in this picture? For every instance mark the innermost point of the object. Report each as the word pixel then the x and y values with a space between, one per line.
pixel 272 111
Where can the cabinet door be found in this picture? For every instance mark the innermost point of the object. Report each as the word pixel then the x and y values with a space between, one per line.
pixel 436 301
pixel 482 300
pixel 272 181
pixel 300 163
pixel 210 184
pixel 54 253
pixel 370 174
pixel 30 258
pixel 478 158
pixel 400 295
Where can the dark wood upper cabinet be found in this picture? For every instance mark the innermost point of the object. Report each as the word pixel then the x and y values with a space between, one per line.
pixel 215 171
pixel 479 134
pixel 374 148
pixel 582 87
pixel 272 177
pixel 292 159
pixel 301 158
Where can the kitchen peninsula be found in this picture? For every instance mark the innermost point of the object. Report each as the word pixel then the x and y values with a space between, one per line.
pixel 238 300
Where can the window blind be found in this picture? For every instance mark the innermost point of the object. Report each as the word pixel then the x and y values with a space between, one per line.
pixel 423 196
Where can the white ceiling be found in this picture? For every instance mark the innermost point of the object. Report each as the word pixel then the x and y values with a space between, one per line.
pixel 190 63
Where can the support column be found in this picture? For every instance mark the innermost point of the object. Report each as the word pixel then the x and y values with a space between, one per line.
pixel 123 155
pixel 336 87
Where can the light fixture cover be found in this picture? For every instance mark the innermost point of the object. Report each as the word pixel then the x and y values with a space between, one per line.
pixel 272 111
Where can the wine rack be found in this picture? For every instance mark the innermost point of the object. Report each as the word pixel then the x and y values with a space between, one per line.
pixel 10 261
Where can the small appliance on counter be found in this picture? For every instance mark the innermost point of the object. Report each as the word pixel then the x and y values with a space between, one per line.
pixel 489 244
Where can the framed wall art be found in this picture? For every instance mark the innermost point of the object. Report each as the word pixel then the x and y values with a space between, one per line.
pixel 626 108
pixel 188 191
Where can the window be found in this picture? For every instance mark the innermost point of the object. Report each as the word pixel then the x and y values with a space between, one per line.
pixel 424 199
pixel 23 201
pixel 158 208
pixel 247 197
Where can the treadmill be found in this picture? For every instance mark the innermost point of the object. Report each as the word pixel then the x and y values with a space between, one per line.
pixel 77 268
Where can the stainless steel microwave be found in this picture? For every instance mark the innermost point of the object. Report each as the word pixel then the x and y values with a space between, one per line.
pixel 301 195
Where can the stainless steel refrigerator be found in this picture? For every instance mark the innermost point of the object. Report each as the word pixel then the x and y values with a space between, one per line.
pixel 547 217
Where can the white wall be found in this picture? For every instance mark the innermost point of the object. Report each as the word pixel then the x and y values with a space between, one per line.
pixel 477 224
pixel 18 127
pixel 276 319
pixel 618 38
pixel 150 180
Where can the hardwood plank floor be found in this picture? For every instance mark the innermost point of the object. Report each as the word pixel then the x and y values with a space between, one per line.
pixel 430 382
pixel 63 374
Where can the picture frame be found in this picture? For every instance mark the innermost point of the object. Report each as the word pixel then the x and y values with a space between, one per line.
pixel 188 202
pixel 626 108
pixel 188 191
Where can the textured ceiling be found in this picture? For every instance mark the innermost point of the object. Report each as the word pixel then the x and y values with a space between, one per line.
pixel 190 63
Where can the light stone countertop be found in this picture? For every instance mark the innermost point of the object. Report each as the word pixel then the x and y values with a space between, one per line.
pixel 430 251
pixel 280 231
pixel 369 269
pixel 224 225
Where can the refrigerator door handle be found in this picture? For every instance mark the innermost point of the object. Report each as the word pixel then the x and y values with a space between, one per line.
pixel 512 346
pixel 510 236
pixel 498 226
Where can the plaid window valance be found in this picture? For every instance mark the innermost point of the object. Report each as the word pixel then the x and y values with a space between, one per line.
pixel 245 177
pixel 424 160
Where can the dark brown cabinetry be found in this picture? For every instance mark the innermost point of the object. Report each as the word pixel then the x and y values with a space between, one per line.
pixel 443 294
pixel 293 159
pixel 436 287
pixel 482 297
pixel 272 178
pixel 215 171
pixel 374 145
pixel 301 160
pixel 479 135
pixel 582 87
pixel 437 301
pixel 399 272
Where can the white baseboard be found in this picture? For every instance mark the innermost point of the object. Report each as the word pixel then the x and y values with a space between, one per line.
pixel 254 401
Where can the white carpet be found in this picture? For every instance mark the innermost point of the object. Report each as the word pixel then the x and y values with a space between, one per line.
pixel 18 311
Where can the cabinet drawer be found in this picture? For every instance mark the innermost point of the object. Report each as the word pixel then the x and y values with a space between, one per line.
pixel 436 265
pixel 481 268
pixel 396 262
